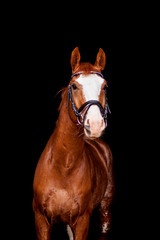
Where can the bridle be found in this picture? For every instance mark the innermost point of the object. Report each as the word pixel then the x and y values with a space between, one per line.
pixel 85 107
pixel 91 72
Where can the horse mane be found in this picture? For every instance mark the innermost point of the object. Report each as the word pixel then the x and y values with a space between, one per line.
pixel 62 91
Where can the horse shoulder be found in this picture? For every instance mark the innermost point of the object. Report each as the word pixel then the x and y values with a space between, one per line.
pixel 41 176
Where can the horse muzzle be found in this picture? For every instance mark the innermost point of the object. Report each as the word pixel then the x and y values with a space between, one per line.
pixel 94 123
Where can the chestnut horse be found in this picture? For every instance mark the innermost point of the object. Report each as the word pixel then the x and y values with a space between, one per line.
pixel 74 173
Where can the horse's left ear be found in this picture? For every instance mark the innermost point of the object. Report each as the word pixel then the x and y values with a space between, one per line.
pixel 100 60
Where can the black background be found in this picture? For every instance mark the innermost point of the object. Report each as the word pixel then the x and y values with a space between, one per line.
pixel 47 71
pixel 38 55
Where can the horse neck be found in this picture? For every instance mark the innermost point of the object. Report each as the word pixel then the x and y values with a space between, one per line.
pixel 67 143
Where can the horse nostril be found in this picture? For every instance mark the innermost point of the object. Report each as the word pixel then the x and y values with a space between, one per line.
pixel 88 121
pixel 87 127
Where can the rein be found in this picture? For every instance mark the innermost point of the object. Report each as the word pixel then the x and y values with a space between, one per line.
pixel 85 107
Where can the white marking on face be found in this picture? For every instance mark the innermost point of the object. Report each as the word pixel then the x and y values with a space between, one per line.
pixel 91 85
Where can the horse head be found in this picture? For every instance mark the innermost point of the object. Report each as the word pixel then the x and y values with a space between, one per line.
pixel 87 93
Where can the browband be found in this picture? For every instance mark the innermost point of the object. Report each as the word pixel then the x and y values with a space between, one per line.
pixel 91 72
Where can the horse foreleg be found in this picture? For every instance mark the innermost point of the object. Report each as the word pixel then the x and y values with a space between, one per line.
pixel 105 222
pixel 105 211
pixel 43 228
pixel 105 217
pixel 81 228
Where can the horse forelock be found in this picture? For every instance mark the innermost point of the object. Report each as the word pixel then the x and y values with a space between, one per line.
pixel 86 67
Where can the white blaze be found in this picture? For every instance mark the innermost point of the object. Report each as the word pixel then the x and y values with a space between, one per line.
pixel 91 85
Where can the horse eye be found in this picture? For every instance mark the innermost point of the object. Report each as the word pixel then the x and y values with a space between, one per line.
pixel 105 86
pixel 74 86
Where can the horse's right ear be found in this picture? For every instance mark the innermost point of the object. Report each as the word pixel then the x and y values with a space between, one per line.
pixel 100 60
pixel 75 59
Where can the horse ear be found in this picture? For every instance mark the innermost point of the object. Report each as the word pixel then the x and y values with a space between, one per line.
pixel 75 58
pixel 100 60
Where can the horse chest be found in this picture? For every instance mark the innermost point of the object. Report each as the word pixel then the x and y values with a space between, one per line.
pixel 69 202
